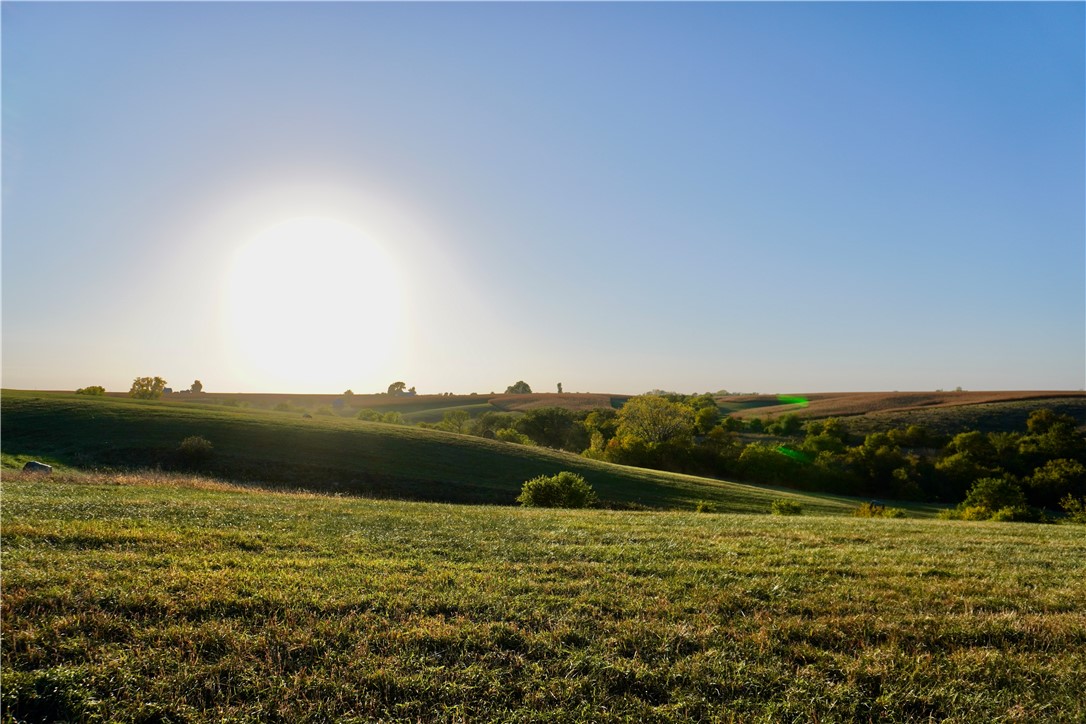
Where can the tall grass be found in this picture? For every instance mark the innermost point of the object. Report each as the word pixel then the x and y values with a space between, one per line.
pixel 182 599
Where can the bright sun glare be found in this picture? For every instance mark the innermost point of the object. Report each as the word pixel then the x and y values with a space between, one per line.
pixel 313 305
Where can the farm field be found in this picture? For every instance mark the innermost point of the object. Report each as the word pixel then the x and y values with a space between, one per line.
pixel 171 598
pixel 890 406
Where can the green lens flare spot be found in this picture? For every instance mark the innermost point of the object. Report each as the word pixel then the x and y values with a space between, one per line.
pixel 792 400
pixel 796 455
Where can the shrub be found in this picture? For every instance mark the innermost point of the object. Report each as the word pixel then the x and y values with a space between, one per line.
pixel 564 490
pixel 509 434
pixel 1075 509
pixel 877 510
pixel 782 506
pixel 705 506
pixel 96 390
pixel 993 499
pixel 194 450
pixel 1020 514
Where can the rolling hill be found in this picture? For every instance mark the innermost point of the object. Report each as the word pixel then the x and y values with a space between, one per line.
pixel 339 454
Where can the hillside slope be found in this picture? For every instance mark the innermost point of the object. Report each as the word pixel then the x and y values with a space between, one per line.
pixel 340 455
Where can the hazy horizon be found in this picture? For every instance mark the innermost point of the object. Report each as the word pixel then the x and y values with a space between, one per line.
pixel 296 198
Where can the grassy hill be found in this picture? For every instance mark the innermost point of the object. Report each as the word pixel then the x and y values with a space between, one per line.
pixel 168 599
pixel 334 454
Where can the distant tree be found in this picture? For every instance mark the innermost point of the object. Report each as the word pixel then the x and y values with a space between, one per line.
pixel 519 388
pixel 559 388
pixel 1054 480
pixel 454 420
pixel 548 426
pixel 369 415
pixel 510 434
pixel 654 419
pixel 412 391
pixel 706 418
pixel 785 425
pixel 348 393
pixel 96 390
pixel 196 387
pixel 993 498
pixel 392 418
pixel 487 424
pixel 147 388
pixel 397 388
pixel 601 426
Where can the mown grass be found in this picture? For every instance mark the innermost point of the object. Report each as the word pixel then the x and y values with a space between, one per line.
pixel 180 599
pixel 332 454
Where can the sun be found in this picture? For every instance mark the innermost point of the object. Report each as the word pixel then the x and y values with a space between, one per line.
pixel 313 305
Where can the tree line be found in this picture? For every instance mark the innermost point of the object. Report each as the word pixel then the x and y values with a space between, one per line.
pixel 1042 466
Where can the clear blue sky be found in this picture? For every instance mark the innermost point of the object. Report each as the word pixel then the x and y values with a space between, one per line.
pixel 619 197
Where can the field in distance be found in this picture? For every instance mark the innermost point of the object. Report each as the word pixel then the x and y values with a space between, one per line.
pixel 940 407
pixel 135 598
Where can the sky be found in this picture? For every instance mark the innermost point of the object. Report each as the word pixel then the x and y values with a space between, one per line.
pixel 618 197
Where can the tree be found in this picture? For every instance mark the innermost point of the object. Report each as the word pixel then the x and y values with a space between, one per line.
pixel 348 393
pixel 95 390
pixel 559 388
pixel 196 387
pixel 397 388
pixel 519 388
pixel 147 388
pixel 706 418
pixel 655 420
pixel 548 426
pixel 994 498
pixel 454 420
pixel 1054 480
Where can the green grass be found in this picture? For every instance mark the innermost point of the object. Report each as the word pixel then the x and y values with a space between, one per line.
pixel 333 454
pixel 174 599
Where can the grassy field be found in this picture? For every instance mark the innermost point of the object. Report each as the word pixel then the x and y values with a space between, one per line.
pixel 334 454
pixel 170 599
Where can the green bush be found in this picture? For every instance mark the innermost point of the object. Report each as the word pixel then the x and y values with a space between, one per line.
pixel 1075 509
pixel 998 499
pixel 194 450
pixel 1019 513
pixel 781 506
pixel 877 510
pixel 96 390
pixel 509 434
pixel 564 490
pixel 705 506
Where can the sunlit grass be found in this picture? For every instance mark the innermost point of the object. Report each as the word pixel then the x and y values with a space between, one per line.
pixel 177 598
